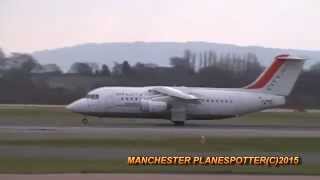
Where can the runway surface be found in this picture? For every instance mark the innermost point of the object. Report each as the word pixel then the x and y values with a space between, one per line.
pixel 160 131
pixel 137 133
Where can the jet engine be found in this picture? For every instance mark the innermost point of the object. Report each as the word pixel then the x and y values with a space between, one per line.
pixel 153 106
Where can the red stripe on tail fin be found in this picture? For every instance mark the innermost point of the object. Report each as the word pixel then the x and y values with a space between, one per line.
pixel 269 73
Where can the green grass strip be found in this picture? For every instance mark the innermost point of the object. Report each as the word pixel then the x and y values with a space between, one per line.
pixel 224 144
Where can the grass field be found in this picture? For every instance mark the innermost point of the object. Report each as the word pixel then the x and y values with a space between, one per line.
pixel 219 144
pixel 18 160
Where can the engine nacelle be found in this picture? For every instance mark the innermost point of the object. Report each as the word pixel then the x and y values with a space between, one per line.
pixel 153 106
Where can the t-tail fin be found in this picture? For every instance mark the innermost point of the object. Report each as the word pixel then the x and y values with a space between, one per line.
pixel 280 77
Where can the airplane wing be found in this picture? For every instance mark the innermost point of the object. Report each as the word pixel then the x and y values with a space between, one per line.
pixel 173 92
pixel 178 109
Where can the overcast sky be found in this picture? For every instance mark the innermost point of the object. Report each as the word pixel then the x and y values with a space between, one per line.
pixel 29 25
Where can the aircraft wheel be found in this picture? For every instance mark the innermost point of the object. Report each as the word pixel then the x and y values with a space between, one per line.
pixel 178 123
pixel 85 121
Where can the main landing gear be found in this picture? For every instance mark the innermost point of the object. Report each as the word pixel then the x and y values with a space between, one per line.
pixel 178 114
pixel 85 121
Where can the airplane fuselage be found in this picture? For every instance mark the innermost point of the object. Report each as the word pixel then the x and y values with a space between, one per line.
pixel 213 103
pixel 182 103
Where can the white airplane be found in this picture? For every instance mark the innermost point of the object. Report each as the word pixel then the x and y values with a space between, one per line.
pixel 179 104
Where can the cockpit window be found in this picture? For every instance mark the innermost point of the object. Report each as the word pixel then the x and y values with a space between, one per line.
pixel 92 96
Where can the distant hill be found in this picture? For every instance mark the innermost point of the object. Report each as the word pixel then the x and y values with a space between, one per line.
pixel 154 52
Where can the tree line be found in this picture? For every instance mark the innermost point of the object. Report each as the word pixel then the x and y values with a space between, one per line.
pixel 22 84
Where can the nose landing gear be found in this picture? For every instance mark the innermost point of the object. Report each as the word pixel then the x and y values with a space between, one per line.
pixel 85 121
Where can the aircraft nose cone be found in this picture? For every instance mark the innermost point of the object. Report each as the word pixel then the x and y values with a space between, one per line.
pixel 79 106
pixel 71 106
